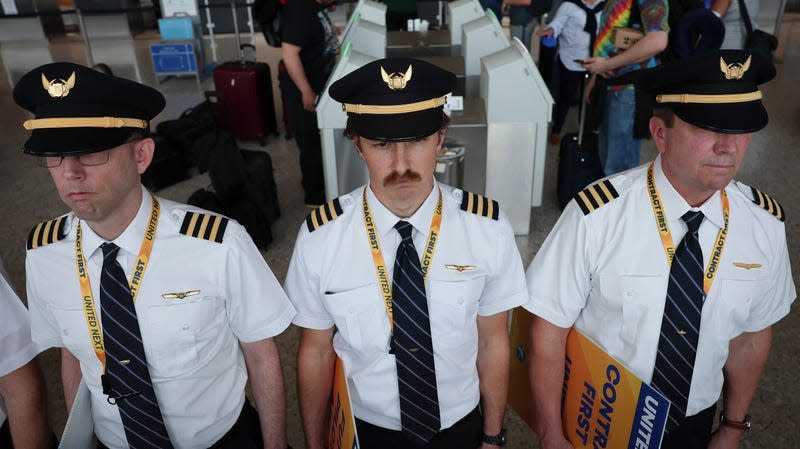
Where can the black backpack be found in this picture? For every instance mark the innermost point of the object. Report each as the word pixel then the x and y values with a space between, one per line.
pixel 268 14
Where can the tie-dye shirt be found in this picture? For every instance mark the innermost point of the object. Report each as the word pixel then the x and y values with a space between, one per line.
pixel 617 14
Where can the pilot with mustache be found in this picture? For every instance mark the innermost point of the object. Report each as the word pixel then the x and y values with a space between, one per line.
pixel 673 268
pixel 407 280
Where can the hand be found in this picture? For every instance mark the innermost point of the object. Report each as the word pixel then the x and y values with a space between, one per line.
pixel 725 438
pixel 596 65
pixel 505 9
pixel 557 441
pixel 545 32
pixel 309 101
pixel 587 92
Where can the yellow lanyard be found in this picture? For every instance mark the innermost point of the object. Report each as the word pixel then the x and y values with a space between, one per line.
pixel 95 332
pixel 377 254
pixel 666 236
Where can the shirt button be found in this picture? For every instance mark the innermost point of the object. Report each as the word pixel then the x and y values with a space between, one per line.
pixel 66 332
pixel 629 293
pixel 461 300
pixel 186 327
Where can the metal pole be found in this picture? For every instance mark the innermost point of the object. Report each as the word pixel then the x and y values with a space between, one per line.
pixel 210 26
pixel 86 43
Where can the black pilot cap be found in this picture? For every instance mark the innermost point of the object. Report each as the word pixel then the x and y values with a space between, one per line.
pixel 717 91
pixel 79 110
pixel 394 99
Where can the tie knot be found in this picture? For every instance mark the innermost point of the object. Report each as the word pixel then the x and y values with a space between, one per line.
pixel 404 228
pixel 109 249
pixel 693 219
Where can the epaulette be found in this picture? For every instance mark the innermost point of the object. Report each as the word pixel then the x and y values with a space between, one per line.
pixel 480 205
pixel 765 202
pixel 47 232
pixel 596 195
pixel 323 214
pixel 204 226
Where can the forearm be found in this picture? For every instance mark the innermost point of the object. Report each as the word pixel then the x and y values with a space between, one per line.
pixel 493 368
pixel 314 381
pixel 266 383
pixel 24 396
pixel 648 46
pixel 720 6
pixel 748 353
pixel 70 376
pixel 546 369
pixel 294 66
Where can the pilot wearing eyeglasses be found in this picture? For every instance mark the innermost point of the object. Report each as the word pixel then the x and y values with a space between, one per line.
pixel 163 310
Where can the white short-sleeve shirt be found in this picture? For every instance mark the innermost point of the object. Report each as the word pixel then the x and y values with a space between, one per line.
pixel 15 333
pixel 191 344
pixel 332 282
pixel 606 273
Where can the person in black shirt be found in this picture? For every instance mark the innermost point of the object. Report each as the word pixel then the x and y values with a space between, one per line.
pixel 308 50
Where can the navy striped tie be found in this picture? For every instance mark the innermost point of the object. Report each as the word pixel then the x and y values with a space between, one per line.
pixel 680 327
pixel 416 375
pixel 127 377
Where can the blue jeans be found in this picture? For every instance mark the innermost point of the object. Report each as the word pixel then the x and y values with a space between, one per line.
pixel 619 151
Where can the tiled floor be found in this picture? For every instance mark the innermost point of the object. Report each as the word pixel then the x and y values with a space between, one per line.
pixel 27 197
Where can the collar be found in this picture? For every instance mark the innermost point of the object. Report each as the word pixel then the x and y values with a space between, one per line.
pixel 131 238
pixel 675 206
pixel 385 219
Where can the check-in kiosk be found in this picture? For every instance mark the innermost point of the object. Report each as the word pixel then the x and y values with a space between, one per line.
pixel 343 168
pixel 518 110
pixel 370 10
pixel 366 37
pixel 23 44
pixel 480 37
pixel 459 13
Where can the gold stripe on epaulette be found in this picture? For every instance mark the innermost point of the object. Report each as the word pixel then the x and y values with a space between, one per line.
pixel 766 202
pixel 46 233
pixel 480 205
pixel 204 226
pixel 595 196
pixel 323 215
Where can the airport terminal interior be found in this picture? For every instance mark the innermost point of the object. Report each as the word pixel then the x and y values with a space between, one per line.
pixel 27 194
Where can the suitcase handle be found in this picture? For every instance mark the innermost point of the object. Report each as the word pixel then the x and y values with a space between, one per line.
pixel 244 47
pixel 583 110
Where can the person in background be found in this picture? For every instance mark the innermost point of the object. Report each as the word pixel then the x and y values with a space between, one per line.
pixel 523 15
pixel 23 405
pixel 163 310
pixel 308 49
pixel 673 268
pixel 575 25
pixel 407 280
pixel 729 12
pixel 620 140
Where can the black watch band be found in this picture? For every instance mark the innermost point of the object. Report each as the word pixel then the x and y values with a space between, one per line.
pixel 496 440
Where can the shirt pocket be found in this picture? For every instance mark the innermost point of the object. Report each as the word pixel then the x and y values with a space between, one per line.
pixel 453 308
pixel 360 318
pixel 181 333
pixel 74 332
pixel 733 304
pixel 632 308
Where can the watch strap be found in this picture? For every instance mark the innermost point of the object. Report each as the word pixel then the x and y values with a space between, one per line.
pixel 740 425
pixel 496 440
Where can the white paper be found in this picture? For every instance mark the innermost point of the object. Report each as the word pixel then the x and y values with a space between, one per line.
pixel 79 431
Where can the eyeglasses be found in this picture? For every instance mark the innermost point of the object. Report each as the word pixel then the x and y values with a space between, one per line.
pixel 87 160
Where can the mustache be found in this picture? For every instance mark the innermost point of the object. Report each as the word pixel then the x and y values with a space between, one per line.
pixel 397 177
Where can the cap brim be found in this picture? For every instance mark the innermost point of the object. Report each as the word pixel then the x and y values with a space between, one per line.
pixel 397 127
pixel 76 141
pixel 731 118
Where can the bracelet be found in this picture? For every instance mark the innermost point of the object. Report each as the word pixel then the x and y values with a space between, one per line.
pixel 739 425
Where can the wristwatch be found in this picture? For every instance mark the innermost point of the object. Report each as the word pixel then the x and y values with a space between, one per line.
pixel 496 440
pixel 741 425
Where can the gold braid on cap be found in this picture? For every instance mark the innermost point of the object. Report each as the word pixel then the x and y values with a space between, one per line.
pixel 394 108
pixel 709 99
pixel 84 122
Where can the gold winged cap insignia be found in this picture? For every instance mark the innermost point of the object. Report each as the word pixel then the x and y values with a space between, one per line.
pixel 397 81
pixel 58 88
pixel 734 71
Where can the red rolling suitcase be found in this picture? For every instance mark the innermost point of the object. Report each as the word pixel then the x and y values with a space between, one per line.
pixel 247 108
